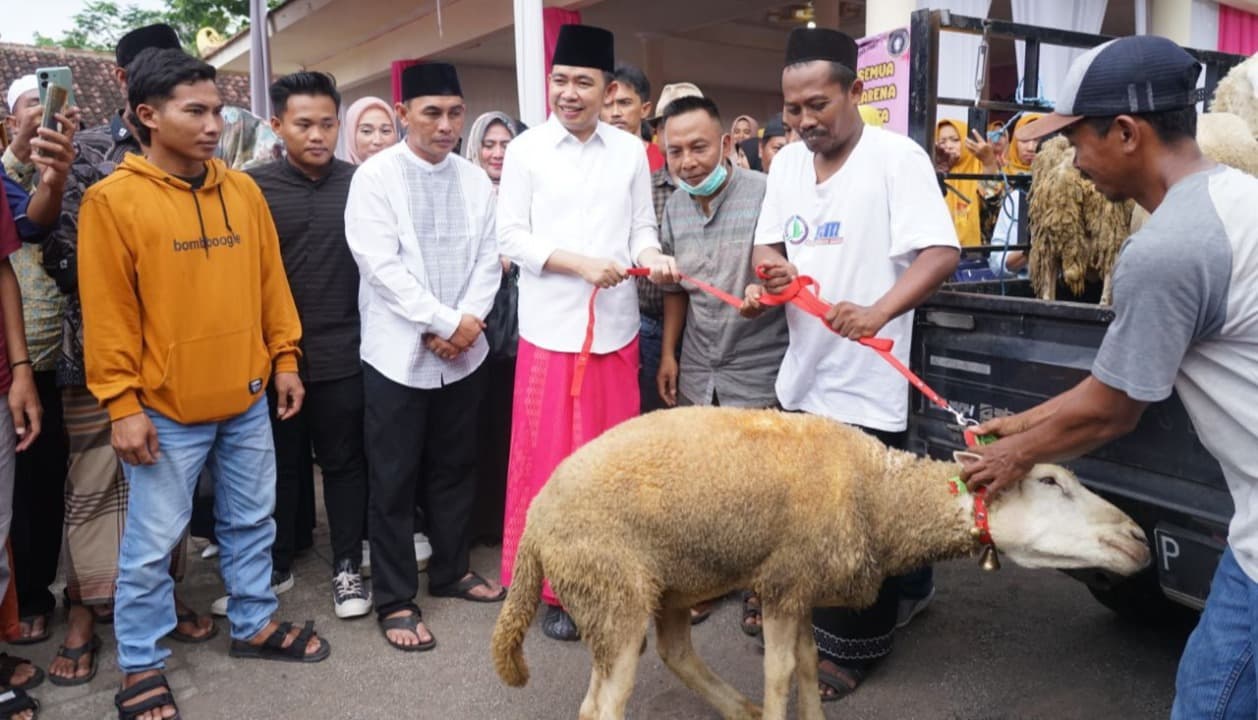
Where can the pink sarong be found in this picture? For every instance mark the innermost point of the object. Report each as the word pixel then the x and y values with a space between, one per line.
pixel 548 424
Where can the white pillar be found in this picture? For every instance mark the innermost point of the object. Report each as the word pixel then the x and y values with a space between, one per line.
pixel 530 61
pixel 1192 23
pixel 259 60
pixel 884 15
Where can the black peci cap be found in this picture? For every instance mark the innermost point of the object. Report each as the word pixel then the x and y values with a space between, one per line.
pixel 159 35
pixel 435 78
pixel 808 44
pixel 585 46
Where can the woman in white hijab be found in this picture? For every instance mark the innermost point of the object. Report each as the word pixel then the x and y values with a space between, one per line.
pixel 487 142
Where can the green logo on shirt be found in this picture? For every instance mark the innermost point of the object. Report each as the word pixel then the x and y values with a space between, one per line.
pixel 795 231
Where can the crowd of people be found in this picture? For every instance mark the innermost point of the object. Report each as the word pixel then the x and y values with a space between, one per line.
pixel 198 308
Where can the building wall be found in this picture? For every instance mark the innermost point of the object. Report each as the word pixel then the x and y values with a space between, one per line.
pixel 493 88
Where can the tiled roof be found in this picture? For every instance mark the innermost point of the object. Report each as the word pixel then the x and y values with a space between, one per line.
pixel 94 85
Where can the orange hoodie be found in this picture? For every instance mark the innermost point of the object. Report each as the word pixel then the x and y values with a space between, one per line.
pixel 186 307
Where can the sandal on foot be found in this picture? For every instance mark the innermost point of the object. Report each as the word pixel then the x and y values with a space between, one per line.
pixel 273 647
pixel 183 637
pixel 843 683
pixel 463 590
pixel 35 639
pixel 410 623
pixel 751 612
pixel 8 667
pixel 701 612
pixel 148 684
pixel 74 655
pixel 14 701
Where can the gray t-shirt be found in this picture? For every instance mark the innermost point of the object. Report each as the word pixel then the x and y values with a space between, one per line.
pixel 722 353
pixel 1186 316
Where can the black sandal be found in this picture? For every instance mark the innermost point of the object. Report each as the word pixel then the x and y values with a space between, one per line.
pixel 74 655
pixel 842 684
pixel 148 684
pixel 14 701
pixel 9 665
pixel 410 623
pixel 194 618
pixel 35 639
pixel 463 590
pixel 273 647
pixel 751 613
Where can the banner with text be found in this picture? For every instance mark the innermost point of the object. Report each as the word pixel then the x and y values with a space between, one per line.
pixel 883 67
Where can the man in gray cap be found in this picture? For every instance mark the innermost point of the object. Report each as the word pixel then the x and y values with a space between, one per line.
pixel 1184 319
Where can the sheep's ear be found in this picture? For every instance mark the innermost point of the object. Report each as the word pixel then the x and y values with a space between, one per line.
pixel 965 458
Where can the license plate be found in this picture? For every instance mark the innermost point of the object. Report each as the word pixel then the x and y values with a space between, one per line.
pixel 1186 563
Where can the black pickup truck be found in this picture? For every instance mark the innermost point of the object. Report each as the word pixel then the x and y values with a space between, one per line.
pixel 992 349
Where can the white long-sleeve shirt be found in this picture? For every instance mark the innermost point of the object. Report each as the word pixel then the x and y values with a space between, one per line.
pixel 592 198
pixel 424 240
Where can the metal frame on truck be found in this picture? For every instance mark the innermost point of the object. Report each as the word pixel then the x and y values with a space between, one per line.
pixel 994 349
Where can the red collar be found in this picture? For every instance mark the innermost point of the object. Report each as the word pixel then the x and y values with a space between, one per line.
pixel 982 530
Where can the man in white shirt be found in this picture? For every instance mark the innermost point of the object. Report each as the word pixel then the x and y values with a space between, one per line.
pixel 858 209
pixel 420 223
pixel 574 212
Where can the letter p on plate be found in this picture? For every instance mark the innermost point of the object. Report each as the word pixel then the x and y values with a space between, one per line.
pixel 1170 550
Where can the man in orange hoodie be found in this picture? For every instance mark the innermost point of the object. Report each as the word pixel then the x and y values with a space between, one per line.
pixel 186 314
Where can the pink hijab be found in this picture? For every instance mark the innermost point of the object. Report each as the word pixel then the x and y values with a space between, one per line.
pixel 347 146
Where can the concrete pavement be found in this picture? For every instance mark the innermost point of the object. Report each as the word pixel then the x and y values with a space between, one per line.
pixel 1011 645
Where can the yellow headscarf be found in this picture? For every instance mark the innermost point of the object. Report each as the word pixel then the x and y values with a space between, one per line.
pixel 965 211
pixel 1013 161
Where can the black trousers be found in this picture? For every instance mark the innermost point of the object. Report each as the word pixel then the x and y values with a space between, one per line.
pixel 419 442
pixel 858 638
pixel 494 451
pixel 330 421
pixel 39 504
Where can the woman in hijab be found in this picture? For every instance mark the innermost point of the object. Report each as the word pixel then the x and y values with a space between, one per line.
pixel 743 128
pixel 1018 159
pixel 370 126
pixel 973 203
pixel 487 143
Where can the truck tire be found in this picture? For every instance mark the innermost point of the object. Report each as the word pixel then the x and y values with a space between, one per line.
pixel 1139 599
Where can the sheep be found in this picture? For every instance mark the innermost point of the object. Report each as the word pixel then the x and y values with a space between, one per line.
pixel 1224 138
pixel 677 507
pixel 1075 232
pixel 1237 93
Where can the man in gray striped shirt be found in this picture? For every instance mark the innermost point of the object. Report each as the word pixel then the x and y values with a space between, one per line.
pixel 709 225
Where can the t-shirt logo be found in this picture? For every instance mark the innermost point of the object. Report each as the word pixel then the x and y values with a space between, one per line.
pixel 795 231
pixel 828 234
pixel 255 386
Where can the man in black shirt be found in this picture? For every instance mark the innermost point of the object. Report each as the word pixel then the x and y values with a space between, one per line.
pixel 306 193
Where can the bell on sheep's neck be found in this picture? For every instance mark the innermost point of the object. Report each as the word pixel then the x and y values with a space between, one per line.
pixel 991 559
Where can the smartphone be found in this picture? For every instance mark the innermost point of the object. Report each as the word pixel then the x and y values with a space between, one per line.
pixel 55 76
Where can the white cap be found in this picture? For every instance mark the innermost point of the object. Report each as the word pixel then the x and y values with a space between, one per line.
pixel 20 87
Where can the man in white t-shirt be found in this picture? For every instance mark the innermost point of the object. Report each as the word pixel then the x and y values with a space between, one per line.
pixel 858 209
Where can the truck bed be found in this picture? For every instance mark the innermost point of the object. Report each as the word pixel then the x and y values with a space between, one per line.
pixel 992 348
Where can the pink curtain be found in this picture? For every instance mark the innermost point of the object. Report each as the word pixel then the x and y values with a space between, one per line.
pixel 1238 31
pixel 552 20
pixel 395 71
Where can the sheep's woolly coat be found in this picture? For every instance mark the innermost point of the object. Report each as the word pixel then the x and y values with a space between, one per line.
pixel 1224 138
pixel 637 520
pixel 1237 93
pixel 1075 232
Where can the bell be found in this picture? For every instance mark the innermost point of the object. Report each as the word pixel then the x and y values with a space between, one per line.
pixel 976 532
pixel 991 559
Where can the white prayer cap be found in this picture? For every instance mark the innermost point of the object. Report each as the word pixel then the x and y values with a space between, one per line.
pixel 20 87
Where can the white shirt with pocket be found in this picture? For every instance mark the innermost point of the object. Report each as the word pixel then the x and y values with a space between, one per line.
pixel 592 198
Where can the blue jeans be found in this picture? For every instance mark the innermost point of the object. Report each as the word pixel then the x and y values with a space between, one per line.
pixel 650 344
pixel 1216 679
pixel 241 458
